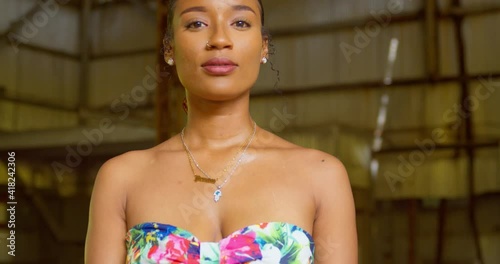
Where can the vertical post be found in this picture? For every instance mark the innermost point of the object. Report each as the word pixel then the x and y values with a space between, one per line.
pixel 441 229
pixel 466 127
pixel 412 229
pixel 432 39
pixel 83 100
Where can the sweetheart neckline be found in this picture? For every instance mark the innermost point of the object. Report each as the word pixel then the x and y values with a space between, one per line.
pixel 136 227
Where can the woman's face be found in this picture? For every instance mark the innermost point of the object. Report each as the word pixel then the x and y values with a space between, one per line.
pixel 229 65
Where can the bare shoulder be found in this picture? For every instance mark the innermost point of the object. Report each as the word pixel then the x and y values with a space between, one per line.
pixel 321 163
pixel 126 165
pixel 115 175
pixel 325 172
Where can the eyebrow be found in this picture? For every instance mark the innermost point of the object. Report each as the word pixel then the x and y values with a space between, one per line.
pixel 243 8
pixel 194 9
pixel 204 9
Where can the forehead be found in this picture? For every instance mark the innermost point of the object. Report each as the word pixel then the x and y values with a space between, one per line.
pixel 216 4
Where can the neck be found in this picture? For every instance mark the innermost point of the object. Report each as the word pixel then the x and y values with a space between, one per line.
pixel 215 124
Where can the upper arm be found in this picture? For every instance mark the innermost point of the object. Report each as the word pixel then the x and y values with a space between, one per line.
pixel 334 228
pixel 105 242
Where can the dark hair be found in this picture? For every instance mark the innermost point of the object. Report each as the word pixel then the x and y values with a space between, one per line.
pixel 169 34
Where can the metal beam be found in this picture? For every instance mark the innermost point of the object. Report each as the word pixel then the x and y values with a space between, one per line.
pixel 338 26
pixel 38 103
pixel 469 11
pixel 49 51
pixel 432 39
pixel 441 228
pixel 113 55
pixel 110 132
pixel 104 151
pixel 371 85
pixel 404 18
pixel 467 128
pixel 474 145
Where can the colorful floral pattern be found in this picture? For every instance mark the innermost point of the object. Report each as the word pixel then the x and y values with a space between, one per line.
pixel 270 243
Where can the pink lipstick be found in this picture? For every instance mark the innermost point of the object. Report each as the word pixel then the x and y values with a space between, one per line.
pixel 219 66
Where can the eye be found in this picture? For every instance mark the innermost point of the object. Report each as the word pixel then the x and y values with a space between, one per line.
pixel 195 25
pixel 241 24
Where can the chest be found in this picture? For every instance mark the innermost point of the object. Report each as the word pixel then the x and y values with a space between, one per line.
pixel 254 194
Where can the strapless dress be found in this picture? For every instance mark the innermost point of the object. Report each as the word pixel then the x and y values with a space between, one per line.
pixel 271 242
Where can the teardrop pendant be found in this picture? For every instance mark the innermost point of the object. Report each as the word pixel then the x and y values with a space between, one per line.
pixel 217 195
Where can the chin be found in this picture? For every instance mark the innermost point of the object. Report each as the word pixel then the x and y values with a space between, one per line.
pixel 221 95
pixel 218 90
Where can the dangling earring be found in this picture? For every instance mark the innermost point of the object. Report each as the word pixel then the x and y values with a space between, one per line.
pixel 264 60
pixel 170 61
pixel 184 105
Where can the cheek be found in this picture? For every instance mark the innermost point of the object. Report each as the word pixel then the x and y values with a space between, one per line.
pixel 250 50
pixel 186 61
pixel 252 53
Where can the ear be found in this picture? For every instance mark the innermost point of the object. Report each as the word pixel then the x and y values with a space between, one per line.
pixel 168 51
pixel 265 47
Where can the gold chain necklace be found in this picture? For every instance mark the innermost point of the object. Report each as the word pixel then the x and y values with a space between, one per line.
pixel 208 178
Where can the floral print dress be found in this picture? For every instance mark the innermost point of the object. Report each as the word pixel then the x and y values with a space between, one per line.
pixel 272 242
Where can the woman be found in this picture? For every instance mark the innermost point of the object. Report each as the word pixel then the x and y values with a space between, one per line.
pixel 223 190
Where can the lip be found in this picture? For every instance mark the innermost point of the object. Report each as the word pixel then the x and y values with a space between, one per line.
pixel 219 66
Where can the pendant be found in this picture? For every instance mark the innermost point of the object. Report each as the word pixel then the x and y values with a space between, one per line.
pixel 198 178
pixel 217 195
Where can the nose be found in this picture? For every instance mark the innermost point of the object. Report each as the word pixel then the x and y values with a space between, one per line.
pixel 219 39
